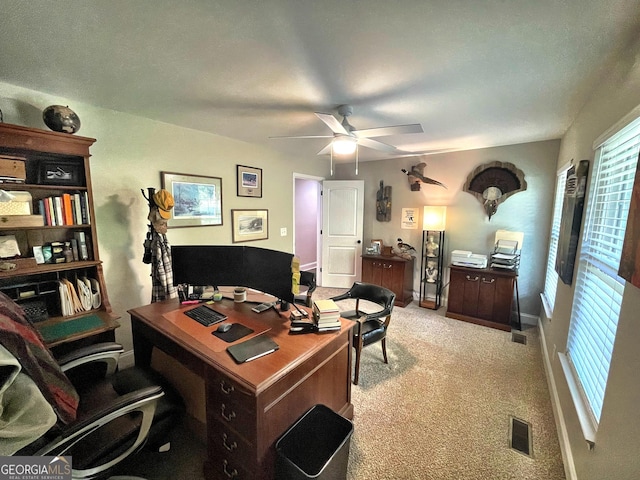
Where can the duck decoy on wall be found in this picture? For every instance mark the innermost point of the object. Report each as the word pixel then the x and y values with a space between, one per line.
pixel 416 177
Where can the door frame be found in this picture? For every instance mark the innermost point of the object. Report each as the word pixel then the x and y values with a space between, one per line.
pixel 303 176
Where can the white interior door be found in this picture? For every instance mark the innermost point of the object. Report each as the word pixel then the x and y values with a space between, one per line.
pixel 342 221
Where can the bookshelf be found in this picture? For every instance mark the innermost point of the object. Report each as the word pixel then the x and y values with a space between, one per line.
pixel 37 167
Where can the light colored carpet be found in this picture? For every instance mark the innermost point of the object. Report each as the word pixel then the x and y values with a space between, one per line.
pixel 441 408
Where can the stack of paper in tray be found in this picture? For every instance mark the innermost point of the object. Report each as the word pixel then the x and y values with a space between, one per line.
pixel 326 315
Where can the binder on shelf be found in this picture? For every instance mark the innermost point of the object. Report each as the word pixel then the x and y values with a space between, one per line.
pixel 83 251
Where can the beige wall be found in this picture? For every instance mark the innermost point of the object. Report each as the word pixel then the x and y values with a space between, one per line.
pixel 615 455
pixel 468 227
pixel 129 154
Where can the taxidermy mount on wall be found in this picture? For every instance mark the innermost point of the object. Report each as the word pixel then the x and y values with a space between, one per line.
pixel 383 203
pixel 492 183
pixel 416 176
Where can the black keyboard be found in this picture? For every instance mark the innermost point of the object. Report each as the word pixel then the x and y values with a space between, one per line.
pixel 205 315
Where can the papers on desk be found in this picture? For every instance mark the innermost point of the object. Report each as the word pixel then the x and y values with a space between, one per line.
pixel 252 349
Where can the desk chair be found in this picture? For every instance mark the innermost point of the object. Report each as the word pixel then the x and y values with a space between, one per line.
pixel 307 279
pixel 119 413
pixel 371 327
pixel 104 415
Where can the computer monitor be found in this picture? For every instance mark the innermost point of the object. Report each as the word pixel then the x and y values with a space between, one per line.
pixel 265 270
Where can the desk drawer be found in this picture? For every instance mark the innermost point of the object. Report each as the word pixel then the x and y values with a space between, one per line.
pixel 222 389
pixel 233 416
pixel 232 447
pixel 219 467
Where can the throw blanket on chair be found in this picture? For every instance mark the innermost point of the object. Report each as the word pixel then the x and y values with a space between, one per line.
pixel 24 342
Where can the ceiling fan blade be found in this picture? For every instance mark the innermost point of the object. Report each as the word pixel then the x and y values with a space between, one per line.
pixel 386 131
pixel 306 136
pixel 377 145
pixel 332 122
pixel 326 150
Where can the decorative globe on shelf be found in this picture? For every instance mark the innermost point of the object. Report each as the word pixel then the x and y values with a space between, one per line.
pixel 61 119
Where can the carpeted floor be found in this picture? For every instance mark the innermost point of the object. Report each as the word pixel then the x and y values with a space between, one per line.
pixel 440 409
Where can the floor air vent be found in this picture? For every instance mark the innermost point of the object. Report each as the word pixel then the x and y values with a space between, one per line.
pixel 518 338
pixel 520 436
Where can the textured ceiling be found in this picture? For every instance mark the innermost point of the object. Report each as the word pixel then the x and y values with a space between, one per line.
pixel 473 73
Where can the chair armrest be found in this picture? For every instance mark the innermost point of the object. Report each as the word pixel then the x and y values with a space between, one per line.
pixel 379 315
pixel 107 352
pixel 342 296
pixel 143 400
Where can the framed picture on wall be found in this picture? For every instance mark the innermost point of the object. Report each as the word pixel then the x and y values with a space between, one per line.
pixel 249 181
pixel 249 225
pixel 198 199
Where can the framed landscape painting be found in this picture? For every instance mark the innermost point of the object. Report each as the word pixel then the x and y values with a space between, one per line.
pixel 198 199
pixel 250 225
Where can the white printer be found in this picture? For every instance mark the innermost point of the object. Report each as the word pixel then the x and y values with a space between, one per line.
pixel 464 258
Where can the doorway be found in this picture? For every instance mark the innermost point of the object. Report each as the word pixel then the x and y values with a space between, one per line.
pixel 307 212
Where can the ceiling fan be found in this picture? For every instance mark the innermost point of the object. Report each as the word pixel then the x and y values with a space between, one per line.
pixel 346 139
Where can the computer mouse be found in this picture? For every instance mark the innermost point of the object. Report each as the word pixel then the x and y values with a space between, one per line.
pixel 224 327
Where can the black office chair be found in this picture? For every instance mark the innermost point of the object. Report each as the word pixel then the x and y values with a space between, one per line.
pixel 118 412
pixel 372 326
pixel 307 279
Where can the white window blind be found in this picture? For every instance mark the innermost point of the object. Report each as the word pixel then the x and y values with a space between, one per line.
pixel 598 291
pixel 551 278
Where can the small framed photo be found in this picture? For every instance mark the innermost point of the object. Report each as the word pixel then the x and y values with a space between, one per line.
pixel 197 199
pixel 249 181
pixel 250 225
pixel 376 246
pixel 61 172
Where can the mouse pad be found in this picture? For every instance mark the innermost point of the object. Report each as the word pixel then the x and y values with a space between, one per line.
pixel 236 332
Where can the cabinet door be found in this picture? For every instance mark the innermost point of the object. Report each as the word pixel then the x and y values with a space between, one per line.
pixel 367 270
pixel 470 294
pixel 503 299
pixel 456 291
pixel 392 277
pixel 375 272
pixel 486 296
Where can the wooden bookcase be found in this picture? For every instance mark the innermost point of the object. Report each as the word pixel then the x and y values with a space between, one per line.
pixel 31 283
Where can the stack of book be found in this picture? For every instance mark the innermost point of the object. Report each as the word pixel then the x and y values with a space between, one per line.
pixel 326 315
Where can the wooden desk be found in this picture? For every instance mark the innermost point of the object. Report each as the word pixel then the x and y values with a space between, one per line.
pixel 249 406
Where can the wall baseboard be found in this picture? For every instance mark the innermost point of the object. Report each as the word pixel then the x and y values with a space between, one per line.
pixel 563 436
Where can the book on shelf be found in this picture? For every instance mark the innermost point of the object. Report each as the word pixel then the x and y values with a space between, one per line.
pixel 83 251
pixel 65 209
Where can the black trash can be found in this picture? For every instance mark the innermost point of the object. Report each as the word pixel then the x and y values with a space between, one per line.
pixel 316 446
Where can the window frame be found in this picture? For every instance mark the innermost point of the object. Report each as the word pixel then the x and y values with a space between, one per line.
pixel 591 336
pixel 549 291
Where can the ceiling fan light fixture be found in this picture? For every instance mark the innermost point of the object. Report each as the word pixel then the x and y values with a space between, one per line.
pixel 344 145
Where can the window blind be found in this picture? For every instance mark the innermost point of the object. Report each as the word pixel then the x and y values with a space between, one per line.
pixel 598 292
pixel 551 277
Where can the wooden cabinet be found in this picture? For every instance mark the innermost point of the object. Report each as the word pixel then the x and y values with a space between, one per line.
pixel 482 296
pixel 55 165
pixel 394 273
